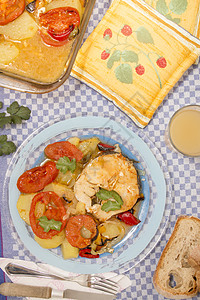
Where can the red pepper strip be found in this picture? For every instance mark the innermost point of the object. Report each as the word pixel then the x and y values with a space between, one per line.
pixel 128 218
pixel 87 253
pixel 105 147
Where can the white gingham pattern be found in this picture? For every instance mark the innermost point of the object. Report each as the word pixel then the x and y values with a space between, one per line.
pixel 75 97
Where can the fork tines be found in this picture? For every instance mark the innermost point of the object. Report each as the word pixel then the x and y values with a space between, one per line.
pixel 105 285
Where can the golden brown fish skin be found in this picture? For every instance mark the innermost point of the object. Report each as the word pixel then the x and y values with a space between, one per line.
pixel 111 172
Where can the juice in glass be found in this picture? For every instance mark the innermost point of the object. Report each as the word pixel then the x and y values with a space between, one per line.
pixel 184 130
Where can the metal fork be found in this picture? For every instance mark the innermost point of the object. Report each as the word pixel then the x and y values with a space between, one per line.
pixel 93 281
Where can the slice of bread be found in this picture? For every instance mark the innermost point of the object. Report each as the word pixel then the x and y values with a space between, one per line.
pixel 174 277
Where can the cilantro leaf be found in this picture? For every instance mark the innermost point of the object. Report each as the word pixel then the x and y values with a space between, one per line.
pixel 6 147
pixel 23 112
pixel 64 164
pixel 110 205
pixel 20 111
pixel 47 224
pixel 3 139
pixel 104 194
pixel 16 119
pixel 114 200
pixel 13 108
pixel 5 120
pixel 2 115
pixel 16 113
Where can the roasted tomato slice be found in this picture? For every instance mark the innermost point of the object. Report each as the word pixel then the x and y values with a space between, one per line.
pixel 81 230
pixel 10 10
pixel 57 24
pixel 47 39
pixel 63 148
pixel 34 180
pixel 50 206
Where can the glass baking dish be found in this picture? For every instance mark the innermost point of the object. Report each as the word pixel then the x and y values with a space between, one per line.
pixel 24 84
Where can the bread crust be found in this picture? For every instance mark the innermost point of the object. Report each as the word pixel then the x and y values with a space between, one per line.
pixel 159 283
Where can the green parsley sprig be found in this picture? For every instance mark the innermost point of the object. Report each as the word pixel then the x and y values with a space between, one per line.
pixel 6 147
pixel 114 200
pixel 64 164
pixel 49 224
pixel 16 115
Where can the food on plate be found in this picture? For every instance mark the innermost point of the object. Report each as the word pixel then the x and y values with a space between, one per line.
pixel 36 37
pixel 47 215
pixel 100 179
pixel 60 149
pixel 81 230
pixel 24 205
pixel 36 179
pixel 82 197
pixel 177 275
pixel 53 242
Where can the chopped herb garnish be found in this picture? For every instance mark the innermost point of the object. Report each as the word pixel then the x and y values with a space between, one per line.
pixel 110 205
pixel 47 224
pixel 114 200
pixel 64 164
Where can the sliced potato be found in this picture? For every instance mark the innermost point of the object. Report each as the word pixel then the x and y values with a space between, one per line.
pixel 68 251
pixel 74 140
pixel 88 146
pixel 23 206
pixel 21 28
pixel 8 52
pixel 63 3
pixel 54 242
pixel 60 189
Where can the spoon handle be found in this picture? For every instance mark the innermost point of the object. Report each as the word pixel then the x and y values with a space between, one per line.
pixel 12 269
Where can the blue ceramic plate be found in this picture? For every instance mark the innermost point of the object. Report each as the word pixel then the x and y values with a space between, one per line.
pixel 151 211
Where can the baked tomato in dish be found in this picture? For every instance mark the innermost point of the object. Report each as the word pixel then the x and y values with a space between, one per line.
pixel 61 149
pixel 10 10
pixel 34 180
pixel 47 215
pixel 57 24
pixel 81 230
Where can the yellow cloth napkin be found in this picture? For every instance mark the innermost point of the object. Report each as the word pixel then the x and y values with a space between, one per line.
pixel 185 13
pixel 134 57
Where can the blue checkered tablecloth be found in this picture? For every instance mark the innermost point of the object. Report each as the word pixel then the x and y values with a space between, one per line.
pixel 75 97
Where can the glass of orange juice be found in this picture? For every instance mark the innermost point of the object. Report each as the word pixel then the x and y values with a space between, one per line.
pixel 183 131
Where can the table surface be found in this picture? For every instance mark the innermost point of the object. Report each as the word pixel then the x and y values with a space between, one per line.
pixel 75 97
